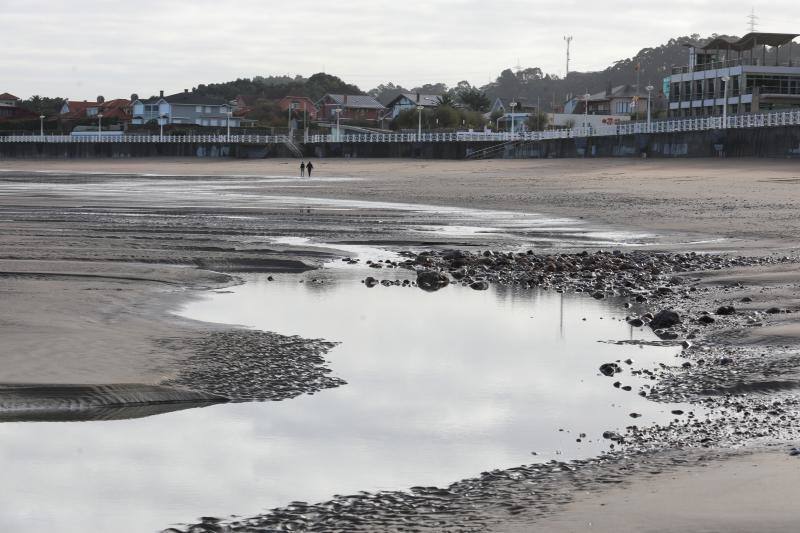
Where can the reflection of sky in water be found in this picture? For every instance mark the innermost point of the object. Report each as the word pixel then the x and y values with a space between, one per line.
pixel 440 387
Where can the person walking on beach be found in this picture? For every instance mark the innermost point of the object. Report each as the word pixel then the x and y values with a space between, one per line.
pixel 303 169
pixel 309 167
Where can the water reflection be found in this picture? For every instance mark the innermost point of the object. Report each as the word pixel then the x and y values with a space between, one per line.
pixel 440 387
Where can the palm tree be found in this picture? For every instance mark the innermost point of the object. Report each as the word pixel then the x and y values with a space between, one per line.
pixel 445 100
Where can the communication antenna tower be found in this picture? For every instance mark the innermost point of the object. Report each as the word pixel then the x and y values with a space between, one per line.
pixel 568 39
pixel 752 18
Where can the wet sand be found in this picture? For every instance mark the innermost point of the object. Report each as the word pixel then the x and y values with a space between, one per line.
pixel 740 494
pixel 750 200
pixel 97 293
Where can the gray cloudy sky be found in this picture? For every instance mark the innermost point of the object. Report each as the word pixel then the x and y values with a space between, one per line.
pixel 81 48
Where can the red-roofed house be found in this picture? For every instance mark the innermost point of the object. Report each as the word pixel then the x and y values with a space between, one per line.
pixel 119 108
pixel 8 99
pixel 299 104
pixel 10 110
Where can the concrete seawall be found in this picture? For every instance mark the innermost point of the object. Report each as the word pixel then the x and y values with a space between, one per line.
pixel 756 142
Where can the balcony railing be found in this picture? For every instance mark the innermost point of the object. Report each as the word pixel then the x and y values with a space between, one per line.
pixel 730 63
pixel 751 120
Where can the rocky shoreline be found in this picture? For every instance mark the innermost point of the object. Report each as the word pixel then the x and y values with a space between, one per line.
pixel 743 395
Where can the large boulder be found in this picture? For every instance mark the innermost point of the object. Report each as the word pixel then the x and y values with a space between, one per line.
pixel 665 319
pixel 431 280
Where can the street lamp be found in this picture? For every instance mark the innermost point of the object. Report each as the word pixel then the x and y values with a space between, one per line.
pixel 41 125
pixel 586 110
pixel 513 105
pixel 229 124
pixel 419 128
pixel 338 112
pixel 649 90
pixel 99 123
pixel 161 120
pixel 725 80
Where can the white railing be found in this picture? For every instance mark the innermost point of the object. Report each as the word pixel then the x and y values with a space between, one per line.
pixel 757 120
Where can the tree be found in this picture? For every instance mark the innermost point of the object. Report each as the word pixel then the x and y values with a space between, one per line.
pixel 538 121
pixel 446 100
pixel 474 99
pixel 42 105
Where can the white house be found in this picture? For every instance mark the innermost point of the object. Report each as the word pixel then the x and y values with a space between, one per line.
pixel 405 101
pixel 185 108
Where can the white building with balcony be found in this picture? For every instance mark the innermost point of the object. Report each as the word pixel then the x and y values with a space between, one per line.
pixel 748 75
pixel 184 108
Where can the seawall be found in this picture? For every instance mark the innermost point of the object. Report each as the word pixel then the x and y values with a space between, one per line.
pixel 755 142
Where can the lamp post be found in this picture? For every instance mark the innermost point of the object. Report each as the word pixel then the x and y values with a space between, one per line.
pixel 338 112
pixel 649 89
pixel 229 124
pixel 725 80
pixel 161 120
pixel 513 106
pixel 586 111
pixel 99 123
pixel 419 128
pixel 41 125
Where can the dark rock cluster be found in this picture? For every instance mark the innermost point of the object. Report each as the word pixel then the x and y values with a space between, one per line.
pixel 640 275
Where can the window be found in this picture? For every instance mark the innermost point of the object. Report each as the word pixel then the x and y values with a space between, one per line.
pixel 198 109
pixel 207 109
pixel 214 122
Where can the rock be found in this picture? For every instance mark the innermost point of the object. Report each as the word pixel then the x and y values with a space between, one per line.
pixel 431 280
pixel 636 322
pixel 609 369
pixel 481 285
pixel 746 299
pixel 773 310
pixel 677 412
pixel 612 435
pixel 634 415
pixel 459 274
pixel 706 319
pixel 370 282
pixel 270 278
pixel 665 319
pixel 598 295
pixel 726 310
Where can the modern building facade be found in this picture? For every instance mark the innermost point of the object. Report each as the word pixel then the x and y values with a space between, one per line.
pixel 185 108
pixel 752 74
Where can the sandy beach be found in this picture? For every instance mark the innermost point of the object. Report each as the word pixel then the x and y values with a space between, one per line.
pixel 93 267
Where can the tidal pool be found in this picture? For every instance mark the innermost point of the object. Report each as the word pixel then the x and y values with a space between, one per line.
pixel 441 386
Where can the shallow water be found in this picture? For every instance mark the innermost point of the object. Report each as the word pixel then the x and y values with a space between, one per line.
pixel 244 202
pixel 441 386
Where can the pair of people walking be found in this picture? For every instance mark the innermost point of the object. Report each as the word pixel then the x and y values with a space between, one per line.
pixel 306 168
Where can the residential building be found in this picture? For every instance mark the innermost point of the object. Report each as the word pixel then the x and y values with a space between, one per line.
pixel 300 105
pixel 7 99
pixel 10 109
pixel 406 101
pixel 185 108
pixel 354 108
pixel 736 73
pixel 119 108
pixel 501 105
pixel 614 101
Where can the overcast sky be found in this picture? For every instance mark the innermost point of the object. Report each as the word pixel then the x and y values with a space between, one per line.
pixel 81 48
